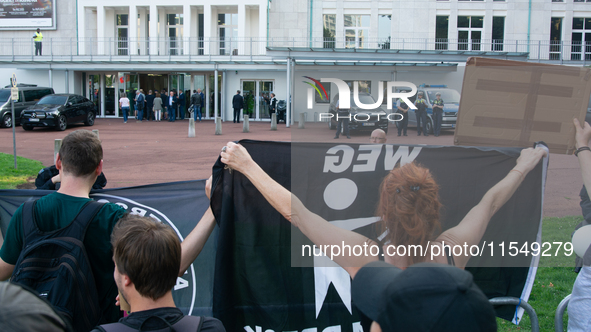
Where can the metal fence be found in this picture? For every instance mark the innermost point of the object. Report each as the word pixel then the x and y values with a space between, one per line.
pixel 538 50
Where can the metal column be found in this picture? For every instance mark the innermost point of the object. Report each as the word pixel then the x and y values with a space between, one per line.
pixel 288 104
pixel 215 92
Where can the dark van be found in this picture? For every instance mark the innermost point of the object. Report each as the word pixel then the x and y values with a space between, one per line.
pixel 28 95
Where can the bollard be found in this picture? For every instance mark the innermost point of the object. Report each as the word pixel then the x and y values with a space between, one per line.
pixel 245 127
pixel 56 148
pixel 218 125
pixel 302 120
pixel 95 131
pixel 274 121
pixel 191 127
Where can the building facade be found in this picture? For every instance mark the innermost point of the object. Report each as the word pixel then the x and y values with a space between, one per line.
pixel 101 50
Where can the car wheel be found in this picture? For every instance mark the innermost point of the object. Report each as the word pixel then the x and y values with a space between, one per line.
pixel 27 127
pixel 62 123
pixel 331 125
pixel 429 127
pixel 7 120
pixel 385 129
pixel 89 119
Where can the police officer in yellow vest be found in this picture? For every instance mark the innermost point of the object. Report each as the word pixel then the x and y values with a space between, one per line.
pixel 38 38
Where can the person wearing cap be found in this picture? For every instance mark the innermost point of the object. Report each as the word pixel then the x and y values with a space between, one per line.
pixel 424 297
pixel 378 136
pixel 38 38
pixel 408 208
pixel 421 114
pixel 437 113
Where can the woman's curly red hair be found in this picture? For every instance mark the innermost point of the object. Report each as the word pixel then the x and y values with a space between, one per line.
pixel 409 206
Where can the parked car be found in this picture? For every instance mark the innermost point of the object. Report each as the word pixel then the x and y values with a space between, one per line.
pixel 58 111
pixel 28 95
pixel 451 99
pixel 361 119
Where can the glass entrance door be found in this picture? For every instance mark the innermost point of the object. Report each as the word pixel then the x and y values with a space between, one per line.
pixel 257 95
pixel 93 92
pixel 248 93
pixel 265 89
pixel 176 82
pixel 210 113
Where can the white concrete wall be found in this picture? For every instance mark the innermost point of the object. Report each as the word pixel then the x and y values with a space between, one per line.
pixel 41 78
pixel 289 19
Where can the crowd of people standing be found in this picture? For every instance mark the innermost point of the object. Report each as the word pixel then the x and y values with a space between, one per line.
pixel 161 105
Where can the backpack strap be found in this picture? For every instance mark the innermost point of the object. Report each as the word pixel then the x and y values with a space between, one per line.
pixel 85 217
pixel 76 229
pixel 28 215
pixel 189 324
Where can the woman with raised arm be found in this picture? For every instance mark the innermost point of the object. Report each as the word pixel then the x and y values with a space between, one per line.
pixel 409 207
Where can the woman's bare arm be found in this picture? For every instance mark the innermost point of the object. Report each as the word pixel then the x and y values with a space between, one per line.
pixel 193 244
pixel 471 229
pixel 582 136
pixel 319 231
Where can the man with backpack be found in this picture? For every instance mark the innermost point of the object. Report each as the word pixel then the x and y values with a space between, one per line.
pixel 79 162
pixel 197 99
pixel 147 257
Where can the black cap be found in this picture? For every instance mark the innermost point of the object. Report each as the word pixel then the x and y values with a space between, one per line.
pixel 424 297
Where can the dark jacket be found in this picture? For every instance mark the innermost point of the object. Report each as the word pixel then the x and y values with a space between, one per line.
pixel 197 98
pixel 150 101
pixel 181 99
pixel 237 101
pixel 44 182
pixel 175 101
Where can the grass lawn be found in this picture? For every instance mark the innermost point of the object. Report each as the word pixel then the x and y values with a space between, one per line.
pixel 10 177
pixel 554 279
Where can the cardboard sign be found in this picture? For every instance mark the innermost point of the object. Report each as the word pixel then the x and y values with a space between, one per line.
pixel 514 104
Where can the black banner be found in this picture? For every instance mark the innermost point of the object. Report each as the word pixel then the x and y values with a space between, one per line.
pixel 179 204
pixel 263 282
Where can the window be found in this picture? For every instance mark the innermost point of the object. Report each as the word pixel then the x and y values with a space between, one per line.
pixel 30 95
pixel 35 95
pixel 441 29
pixel 470 32
pixel 581 39
pixel 555 38
pixel 329 30
pixel 320 98
pixel 498 33
pixel 356 31
pixel 364 86
pixel 174 28
pixel 122 34
pixel 228 33
pixel 200 45
pixel 384 31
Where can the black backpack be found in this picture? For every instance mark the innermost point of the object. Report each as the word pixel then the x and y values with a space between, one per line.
pixel 185 324
pixel 56 266
pixel 141 100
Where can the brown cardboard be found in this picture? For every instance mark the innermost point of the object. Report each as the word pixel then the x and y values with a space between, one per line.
pixel 514 104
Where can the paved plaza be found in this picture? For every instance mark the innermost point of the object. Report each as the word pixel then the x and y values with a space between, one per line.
pixel 154 152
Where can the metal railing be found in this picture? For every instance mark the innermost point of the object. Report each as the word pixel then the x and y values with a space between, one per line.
pixel 533 317
pixel 537 50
